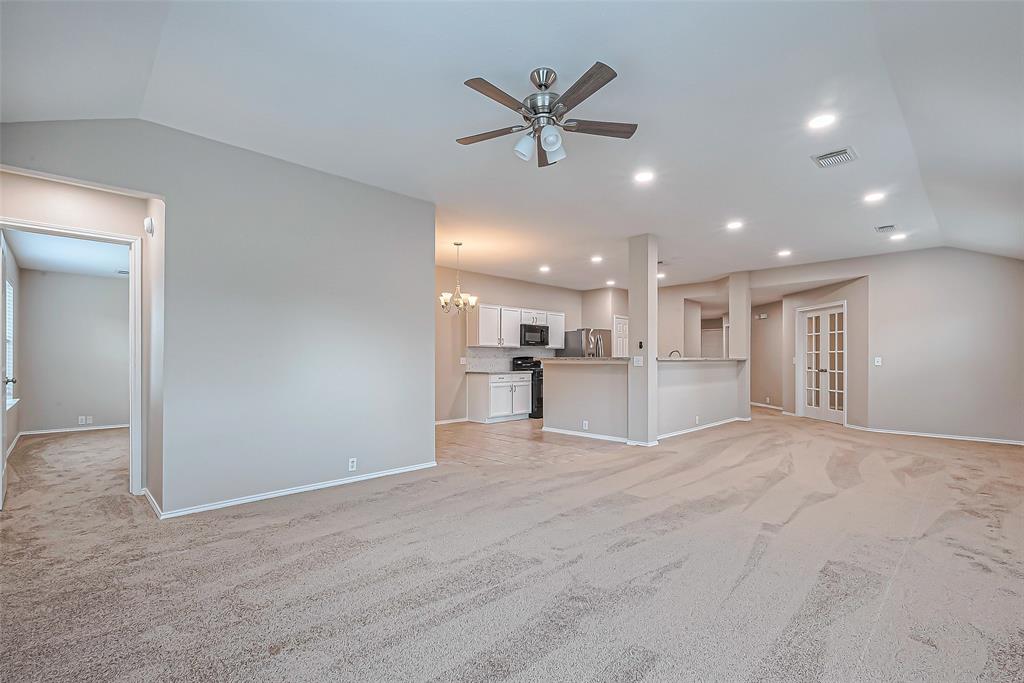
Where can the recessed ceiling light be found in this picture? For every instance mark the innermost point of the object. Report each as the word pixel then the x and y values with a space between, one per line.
pixel 661 276
pixel 544 269
pixel 872 197
pixel 643 176
pixel 822 121
pixel 898 236
pixel 734 225
pixel 596 259
pixel 785 252
pixel 610 282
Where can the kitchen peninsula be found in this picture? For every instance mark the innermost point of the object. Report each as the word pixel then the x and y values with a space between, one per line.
pixel 589 396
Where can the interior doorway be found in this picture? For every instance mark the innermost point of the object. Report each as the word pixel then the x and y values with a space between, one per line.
pixel 51 243
pixel 821 367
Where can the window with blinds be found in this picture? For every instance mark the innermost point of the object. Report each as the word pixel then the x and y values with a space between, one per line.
pixel 9 338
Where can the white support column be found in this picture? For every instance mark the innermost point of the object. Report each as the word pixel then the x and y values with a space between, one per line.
pixel 642 425
pixel 739 335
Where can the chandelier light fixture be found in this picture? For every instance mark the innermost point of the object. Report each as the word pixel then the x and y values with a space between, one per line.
pixel 459 301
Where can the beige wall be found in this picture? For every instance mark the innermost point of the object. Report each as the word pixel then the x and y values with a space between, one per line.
pixel 600 306
pixel 74 360
pixel 766 355
pixel 670 310
pixel 450 328
pixel 276 276
pixel 691 329
pixel 924 313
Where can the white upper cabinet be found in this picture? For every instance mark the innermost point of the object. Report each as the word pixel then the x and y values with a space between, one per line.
pixel 483 326
pixel 498 326
pixel 556 330
pixel 534 317
pixel 511 318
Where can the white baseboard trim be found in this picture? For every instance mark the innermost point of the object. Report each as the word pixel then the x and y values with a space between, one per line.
pixel 786 412
pixel 287 492
pixel 765 405
pixel 955 437
pixel 586 435
pixel 71 429
pixel 451 422
pixel 10 448
pixel 646 444
pixel 707 426
pixel 152 502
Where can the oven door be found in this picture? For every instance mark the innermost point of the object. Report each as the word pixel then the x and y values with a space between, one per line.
pixel 533 335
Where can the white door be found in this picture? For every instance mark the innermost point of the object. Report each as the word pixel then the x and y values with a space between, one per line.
pixel 511 318
pixel 823 364
pixel 521 397
pixel 489 320
pixel 556 330
pixel 3 399
pixel 620 336
pixel 501 400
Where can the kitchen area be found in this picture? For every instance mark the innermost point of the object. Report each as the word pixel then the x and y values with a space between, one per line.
pixel 507 348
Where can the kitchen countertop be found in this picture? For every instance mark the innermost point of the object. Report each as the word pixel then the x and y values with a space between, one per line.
pixel 705 360
pixel 496 372
pixel 585 361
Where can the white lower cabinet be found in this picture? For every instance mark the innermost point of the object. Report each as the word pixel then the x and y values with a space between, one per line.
pixel 499 397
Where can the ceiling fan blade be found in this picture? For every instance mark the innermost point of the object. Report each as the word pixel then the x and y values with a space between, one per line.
pixel 542 156
pixel 605 128
pixel 589 83
pixel 480 137
pixel 495 93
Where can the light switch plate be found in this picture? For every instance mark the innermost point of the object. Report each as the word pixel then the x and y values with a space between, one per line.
pixel 638 361
pixel 878 360
pixel 462 360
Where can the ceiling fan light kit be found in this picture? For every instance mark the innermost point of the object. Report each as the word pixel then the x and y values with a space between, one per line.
pixel 544 113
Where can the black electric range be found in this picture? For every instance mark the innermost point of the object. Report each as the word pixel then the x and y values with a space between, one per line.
pixel 536 369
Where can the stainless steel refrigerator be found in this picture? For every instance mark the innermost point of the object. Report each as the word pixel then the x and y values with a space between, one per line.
pixel 587 343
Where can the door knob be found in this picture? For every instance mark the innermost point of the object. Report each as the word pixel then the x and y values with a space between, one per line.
pixel 9 380
pixel 822 370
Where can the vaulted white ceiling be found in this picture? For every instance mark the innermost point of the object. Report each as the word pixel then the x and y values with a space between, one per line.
pixel 930 95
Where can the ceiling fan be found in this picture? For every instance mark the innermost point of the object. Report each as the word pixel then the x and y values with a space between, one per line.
pixel 543 113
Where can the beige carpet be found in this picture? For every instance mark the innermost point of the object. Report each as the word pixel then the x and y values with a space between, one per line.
pixel 779 549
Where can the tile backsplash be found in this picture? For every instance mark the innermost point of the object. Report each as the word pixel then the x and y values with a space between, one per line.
pixel 500 360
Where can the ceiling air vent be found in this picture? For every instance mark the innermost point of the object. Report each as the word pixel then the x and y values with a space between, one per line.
pixel 840 156
pixel 885 229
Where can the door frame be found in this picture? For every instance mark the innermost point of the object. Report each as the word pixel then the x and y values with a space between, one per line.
pixel 800 349
pixel 134 244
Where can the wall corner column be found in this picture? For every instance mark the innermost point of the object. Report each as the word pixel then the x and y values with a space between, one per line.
pixel 739 337
pixel 642 403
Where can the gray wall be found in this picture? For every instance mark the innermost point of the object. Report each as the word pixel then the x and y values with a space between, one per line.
pixel 74 360
pixel 596 392
pixel 949 326
pixel 766 355
pixel 695 393
pixel 290 299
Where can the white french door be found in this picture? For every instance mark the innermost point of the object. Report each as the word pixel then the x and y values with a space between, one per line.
pixel 822 364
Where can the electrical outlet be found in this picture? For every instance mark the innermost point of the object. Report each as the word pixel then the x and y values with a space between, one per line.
pixel 88 419
pixel 462 360
pixel 586 425
pixel 351 464
pixel 81 419
pixel 768 400
pixel 696 419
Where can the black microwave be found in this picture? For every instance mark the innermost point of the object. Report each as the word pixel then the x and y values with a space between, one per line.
pixel 533 335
